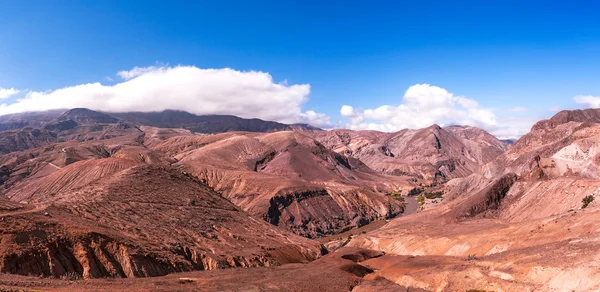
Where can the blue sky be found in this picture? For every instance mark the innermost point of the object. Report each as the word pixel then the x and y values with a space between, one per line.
pixel 518 61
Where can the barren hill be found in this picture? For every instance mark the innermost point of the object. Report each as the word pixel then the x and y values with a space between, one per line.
pixel 288 179
pixel 140 221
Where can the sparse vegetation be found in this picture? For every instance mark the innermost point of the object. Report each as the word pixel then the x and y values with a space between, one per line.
pixel 414 191
pixel 420 199
pixel 396 195
pixel 470 257
pixel 586 201
pixel 433 195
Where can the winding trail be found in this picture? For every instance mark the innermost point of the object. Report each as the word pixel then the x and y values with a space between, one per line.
pixel 24 210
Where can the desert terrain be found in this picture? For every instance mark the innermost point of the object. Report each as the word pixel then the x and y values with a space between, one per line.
pixel 171 201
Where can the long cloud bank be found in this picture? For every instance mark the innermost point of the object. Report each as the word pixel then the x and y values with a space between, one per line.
pixel 249 94
pixel 254 94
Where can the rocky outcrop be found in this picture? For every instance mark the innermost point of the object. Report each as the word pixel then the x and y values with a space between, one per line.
pixel 487 199
pixel 308 213
pixel 52 253
pixel 88 256
pixel 316 213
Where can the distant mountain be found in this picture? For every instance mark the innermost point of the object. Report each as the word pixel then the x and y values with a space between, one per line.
pixel 87 116
pixel 304 127
pixel 61 120
pixel 203 124
pixel 79 116
pixel 28 119
pixel 26 138
pixel 433 153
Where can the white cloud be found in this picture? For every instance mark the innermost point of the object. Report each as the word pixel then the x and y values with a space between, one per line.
pixel 588 100
pixel 8 92
pixel 424 105
pixel 249 94
pixel 315 119
pixel 511 127
pixel 348 111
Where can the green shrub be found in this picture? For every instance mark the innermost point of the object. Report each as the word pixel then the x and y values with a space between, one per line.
pixel 420 199
pixel 587 200
pixel 397 195
pixel 433 195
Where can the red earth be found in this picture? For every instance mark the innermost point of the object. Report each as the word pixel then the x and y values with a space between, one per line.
pixel 94 202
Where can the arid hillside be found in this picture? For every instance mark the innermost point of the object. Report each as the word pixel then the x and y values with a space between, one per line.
pixel 310 181
pixel 288 179
pixel 135 221
pixel 97 195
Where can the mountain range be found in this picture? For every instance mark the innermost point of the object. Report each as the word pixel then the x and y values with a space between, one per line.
pixel 172 195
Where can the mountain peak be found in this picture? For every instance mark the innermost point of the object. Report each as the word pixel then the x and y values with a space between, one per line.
pixel 87 116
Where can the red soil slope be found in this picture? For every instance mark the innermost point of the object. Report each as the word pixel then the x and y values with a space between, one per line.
pixel 141 221
pixel 288 179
